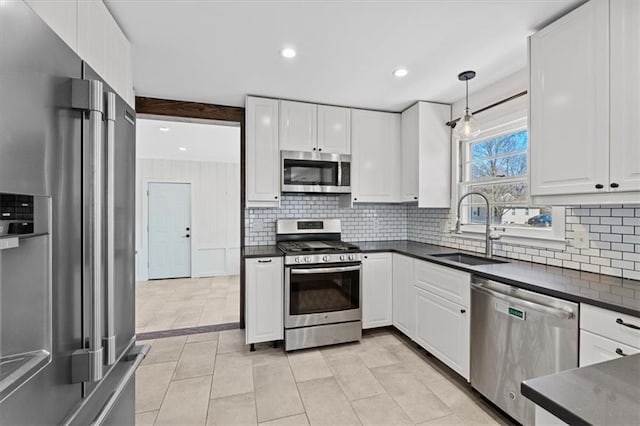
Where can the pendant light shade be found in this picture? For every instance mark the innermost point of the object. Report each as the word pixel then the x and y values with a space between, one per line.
pixel 466 128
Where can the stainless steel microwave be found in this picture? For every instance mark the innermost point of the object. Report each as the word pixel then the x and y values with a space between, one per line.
pixel 315 172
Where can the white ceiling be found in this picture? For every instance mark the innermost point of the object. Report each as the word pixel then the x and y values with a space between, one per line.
pixel 203 142
pixel 219 51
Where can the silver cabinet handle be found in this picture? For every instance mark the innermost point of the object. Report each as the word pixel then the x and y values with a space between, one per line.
pixel 110 339
pixel 559 313
pixel 87 95
pixel 324 270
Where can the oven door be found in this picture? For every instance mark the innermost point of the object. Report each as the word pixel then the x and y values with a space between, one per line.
pixel 322 295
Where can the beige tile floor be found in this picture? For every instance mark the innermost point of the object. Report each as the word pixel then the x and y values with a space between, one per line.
pixel 188 302
pixel 213 379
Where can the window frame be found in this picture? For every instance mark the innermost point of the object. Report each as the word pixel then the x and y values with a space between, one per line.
pixel 508 118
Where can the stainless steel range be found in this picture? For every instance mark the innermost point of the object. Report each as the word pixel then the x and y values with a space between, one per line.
pixel 323 284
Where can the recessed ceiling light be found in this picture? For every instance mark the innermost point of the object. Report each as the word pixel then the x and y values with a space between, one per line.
pixel 288 52
pixel 164 129
pixel 400 72
pixel 182 148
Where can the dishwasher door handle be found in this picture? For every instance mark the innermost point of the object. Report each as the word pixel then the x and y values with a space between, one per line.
pixel 556 312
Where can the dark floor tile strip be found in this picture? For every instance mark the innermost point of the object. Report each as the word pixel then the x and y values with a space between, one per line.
pixel 187 331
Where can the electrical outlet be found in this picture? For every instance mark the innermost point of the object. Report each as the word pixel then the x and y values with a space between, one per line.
pixel 580 236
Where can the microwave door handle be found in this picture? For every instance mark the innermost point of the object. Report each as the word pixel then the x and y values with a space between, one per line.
pixel 86 363
pixel 339 173
pixel 109 340
pixel 324 270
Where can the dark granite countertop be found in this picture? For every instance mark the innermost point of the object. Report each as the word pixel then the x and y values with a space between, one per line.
pixel 261 251
pixel 616 294
pixel 607 393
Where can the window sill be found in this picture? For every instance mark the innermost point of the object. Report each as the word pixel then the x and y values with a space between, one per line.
pixel 547 242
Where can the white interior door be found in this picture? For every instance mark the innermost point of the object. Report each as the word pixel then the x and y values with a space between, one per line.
pixel 169 230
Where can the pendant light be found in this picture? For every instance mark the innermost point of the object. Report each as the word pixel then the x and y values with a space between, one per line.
pixel 466 128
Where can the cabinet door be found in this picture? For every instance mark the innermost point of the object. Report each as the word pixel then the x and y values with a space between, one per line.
pixel 377 279
pixel 442 328
pixel 61 16
pixel 625 95
pixel 445 282
pixel 410 154
pixel 262 155
pixel 434 164
pixel 298 126
pixel 569 95
pixel 334 129
pixel 93 35
pixel 595 349
pixel 375 144
pixel 264 298
pixel 403 316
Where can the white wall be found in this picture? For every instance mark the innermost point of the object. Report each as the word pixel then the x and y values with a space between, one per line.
pixel 215 212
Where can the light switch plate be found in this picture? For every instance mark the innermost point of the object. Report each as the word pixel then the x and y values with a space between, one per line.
pixel 580 236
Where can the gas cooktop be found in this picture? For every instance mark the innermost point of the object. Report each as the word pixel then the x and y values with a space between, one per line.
pixel 292 247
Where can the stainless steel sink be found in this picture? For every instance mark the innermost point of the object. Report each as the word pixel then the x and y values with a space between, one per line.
pixel 468 259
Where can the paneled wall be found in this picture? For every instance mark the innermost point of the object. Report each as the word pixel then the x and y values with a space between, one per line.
pixel 215 213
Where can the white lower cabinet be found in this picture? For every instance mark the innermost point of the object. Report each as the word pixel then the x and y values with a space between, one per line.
pixel 606 335
pixel 545 418
pixel 264 299
pixel 403 277
pixel 442 328
pixel 377 281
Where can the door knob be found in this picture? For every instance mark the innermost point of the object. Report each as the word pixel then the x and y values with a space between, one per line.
pixel 188 229
pixel 187 236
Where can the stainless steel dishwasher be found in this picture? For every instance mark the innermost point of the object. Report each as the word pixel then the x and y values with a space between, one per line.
pixel 518 335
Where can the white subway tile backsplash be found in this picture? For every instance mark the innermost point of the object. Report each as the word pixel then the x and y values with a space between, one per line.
pixel 614 231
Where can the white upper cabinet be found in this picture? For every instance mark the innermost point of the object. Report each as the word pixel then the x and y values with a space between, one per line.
pixel 262 153
pixel 410 135
pixel 625 95
pixel 377 282
pixel 298 126
pixel 61 16
pixel 315 128
pixel 334 129
pixel 585 103
pixel 434 163
pixel 569 95
pixel 104 47
pixel 376 156
pixel 89 29
pixel 426 155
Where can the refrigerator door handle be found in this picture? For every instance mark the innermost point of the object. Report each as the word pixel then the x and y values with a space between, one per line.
pixel 87 95
pixel 110 339
pixel 137 355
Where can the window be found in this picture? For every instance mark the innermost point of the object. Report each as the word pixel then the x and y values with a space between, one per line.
pixel 496 165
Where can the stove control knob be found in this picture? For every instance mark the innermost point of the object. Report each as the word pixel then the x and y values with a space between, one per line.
pixel 343 257
pixel 297 259
pixel 351 257
pixel 307 259
pixel 325 258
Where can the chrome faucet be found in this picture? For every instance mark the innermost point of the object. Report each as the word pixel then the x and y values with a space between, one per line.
pixel 489 237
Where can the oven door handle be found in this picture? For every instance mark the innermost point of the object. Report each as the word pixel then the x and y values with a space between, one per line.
pixel 325 270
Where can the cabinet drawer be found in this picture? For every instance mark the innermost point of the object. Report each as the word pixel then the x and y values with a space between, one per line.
pixel 612 325
pixel 595 349
pixel 445 282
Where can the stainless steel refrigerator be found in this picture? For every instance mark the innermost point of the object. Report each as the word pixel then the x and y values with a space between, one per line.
pixel 67 301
